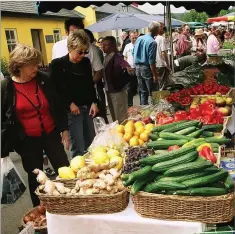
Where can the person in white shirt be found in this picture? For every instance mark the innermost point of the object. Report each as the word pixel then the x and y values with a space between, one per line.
pixel 127 53
pixel 60 48
pixel 162 63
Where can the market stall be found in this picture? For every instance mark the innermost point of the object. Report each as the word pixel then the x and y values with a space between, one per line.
pixel 160 171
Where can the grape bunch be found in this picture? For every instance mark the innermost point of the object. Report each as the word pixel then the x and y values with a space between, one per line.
pixel 133 155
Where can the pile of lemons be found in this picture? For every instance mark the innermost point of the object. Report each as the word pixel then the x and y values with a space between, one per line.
pixel 135 133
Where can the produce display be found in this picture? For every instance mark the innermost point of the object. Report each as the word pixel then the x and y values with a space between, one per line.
pixel 36 217
pixel 135 133
pixel 179 172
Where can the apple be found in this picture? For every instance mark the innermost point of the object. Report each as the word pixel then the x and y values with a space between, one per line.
pixel 229 101
pixel 220 101
pixel 224 111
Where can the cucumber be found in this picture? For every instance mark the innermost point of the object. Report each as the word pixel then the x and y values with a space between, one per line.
pixel 208 191
pixel 174 136
pixel 217 185
pixel 213 127
pixel 194 142
pixel 139 184
pixel 158 177
pixel 160 139
pixel 203 191
pixel 215 150
pixel 159 186
pixel 196 133
pixel 229 183
pixel 207 134
pixel 215 145
pixel 219 140
pixel 181 126
pixel 153 137
pixel 211 170
pixel 139 174
pixel 165 126
pixel 161 151
pixel 151 160
pixel 187 168
pixel 163 166
pixel 183 177
pixel 186 130
pixel 165 144
pixel 205 180
pixel 125 177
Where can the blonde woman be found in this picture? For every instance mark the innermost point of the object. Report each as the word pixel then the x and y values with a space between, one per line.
pixel 72 77
pixel 32 117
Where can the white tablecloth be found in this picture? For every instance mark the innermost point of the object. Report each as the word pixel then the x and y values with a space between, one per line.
pixel 125 222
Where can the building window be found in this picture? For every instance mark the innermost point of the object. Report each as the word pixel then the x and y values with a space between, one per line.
pixel 57 36
pixel 11 37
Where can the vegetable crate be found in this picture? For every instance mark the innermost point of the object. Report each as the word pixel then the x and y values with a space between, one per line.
pixel 216 209
pixel 84 204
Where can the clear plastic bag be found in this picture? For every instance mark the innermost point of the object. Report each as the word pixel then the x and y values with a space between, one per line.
pixel 108 136
pixel 12 185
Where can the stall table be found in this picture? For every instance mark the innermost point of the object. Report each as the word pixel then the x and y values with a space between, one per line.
pixel 125 222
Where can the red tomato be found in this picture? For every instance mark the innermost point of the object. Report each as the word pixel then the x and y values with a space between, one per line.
pixel 181 115
pixel 166 120
pixel 173 147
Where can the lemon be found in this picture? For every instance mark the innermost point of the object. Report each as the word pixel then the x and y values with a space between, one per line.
pixel 140 129
pixel 127 137
pixel 134 141
pixel 66 173
pixel 138 124
pixel 99 149
pixel 119 160
pixel 100 157
pixel 136 134
pixel 144 136
pixel 113 153
pixel 141 142
pixel 120 129
pixel 149 126
pixel 77 162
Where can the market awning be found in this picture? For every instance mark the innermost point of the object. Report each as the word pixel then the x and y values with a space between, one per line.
pixel 210 7
pixel 225 18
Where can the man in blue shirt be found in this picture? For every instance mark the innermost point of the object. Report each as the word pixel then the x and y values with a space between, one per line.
pixel 145 62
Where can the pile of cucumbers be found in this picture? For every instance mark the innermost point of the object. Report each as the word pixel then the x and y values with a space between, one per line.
pixel 186 133
pixel 179 172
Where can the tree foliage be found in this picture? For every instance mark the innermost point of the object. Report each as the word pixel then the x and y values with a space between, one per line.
pixel 225 12
pixel 194 16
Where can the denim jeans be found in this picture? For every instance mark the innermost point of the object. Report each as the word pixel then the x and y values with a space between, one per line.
pixel 81 130
pixel 145 83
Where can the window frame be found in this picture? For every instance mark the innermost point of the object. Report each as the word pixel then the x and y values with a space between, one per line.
pixel 14 41
pixel 56 34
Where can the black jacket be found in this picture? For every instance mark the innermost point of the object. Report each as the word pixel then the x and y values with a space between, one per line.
pixel 11 129
pixel 73 86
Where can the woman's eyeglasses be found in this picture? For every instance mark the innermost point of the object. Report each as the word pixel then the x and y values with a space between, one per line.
pixel 82 52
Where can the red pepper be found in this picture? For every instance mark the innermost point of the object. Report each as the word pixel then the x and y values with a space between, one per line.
pixel 173 147
pixel 195 112
pixel 181 115
pixel 166 120
pixel 207 153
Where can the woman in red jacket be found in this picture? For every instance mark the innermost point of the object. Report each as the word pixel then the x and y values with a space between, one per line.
pixel 32 116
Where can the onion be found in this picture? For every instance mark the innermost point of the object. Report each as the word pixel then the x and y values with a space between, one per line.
pixel 41 209
pixel 27 218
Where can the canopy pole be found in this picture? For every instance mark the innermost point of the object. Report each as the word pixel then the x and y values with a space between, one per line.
pixel 170 37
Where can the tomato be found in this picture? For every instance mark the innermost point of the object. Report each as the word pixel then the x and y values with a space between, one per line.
pixel 173 147
pixel 166 120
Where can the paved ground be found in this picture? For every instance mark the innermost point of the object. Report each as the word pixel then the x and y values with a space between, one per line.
pixel 12 214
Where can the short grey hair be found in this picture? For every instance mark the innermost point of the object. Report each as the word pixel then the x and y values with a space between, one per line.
pixel 154 26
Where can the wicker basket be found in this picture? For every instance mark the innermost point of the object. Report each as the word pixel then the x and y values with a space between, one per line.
pixel 84 204
pixel 216 209
pixel 40 228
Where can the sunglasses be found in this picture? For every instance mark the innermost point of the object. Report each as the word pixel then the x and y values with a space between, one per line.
pixel 82 52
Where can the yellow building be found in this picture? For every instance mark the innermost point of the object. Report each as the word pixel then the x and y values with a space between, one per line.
pixel 21 24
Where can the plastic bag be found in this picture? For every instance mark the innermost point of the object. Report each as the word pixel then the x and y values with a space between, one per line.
pixel 162 106
pixel 12 185
pixel 109 137
pixel 99 124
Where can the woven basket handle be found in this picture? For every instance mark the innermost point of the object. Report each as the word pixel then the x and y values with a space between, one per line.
pixel 40 223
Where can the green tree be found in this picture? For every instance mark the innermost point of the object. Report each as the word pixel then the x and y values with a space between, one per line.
pixel 225 12
pixel 4 67
pixel 194 16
